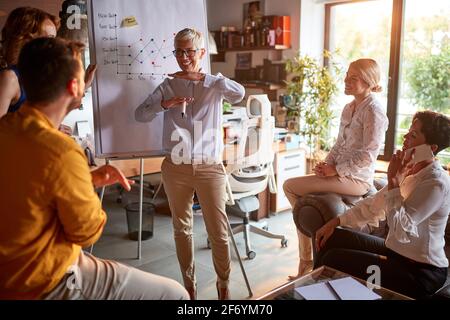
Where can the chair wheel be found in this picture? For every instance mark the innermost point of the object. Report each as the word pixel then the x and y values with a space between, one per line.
pixel 284 243
pixel 251 255
pixel 266 228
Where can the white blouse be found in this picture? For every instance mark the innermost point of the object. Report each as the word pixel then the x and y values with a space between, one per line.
pixel 360 136
pixel 416 213
pixel 199 134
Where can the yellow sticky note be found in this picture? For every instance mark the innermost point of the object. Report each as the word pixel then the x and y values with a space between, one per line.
pixel 129 22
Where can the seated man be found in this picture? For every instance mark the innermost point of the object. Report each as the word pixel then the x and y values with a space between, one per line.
pixel 416 204
pixel 48 206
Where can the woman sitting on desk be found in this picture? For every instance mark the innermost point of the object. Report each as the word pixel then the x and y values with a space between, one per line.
pixel 416 203
pixel 350 165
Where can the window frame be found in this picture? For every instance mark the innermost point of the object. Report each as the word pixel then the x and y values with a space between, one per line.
pixel 394 66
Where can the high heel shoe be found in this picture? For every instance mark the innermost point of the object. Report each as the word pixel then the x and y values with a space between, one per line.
pixel 222 293
pixel 192 292
pixel 304 267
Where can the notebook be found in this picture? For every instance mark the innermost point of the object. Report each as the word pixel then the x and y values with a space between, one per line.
pixel 340 289
pixel 318 291
pixel 350 289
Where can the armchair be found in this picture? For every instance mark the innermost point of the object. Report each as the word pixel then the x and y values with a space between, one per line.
pixel 314 210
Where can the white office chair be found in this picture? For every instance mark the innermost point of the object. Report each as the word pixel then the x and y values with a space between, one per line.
pixel 249 169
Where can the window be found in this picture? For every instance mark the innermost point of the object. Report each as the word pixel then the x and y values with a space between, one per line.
pixel 357 30
pixel 410 39
pixel 425 64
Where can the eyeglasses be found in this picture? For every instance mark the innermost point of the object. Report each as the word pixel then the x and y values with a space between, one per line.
pixel 180 52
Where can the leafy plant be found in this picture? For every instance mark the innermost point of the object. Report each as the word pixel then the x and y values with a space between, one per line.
pixel 403 125
pixel 226 107
pixel 311 91
pixel 429 80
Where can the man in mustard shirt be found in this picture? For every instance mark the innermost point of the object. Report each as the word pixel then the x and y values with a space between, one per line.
pixel 48 206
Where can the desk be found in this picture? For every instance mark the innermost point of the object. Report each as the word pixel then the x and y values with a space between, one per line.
pixel 131 167
pixel 381 166
pixel 271 89
pixel 324 273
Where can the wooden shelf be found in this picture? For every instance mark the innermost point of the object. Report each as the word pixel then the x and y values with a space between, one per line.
pixel 276 47
pixel 271 89
pixel 263 86
pixel 220 56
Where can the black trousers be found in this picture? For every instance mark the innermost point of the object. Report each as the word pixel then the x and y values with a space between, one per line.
pixel 353 252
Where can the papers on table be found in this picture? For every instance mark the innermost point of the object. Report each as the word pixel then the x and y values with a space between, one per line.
pixel 318 291
pixel 350 289
pixel 340 289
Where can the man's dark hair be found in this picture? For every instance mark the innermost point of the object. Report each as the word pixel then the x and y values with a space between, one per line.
pixel 435 128
pixel 46 65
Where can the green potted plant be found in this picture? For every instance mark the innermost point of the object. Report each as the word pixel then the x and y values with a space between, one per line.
pixel 309 96
pixel 226 108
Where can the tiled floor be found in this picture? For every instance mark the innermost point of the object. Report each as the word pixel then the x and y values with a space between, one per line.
pixel 268 270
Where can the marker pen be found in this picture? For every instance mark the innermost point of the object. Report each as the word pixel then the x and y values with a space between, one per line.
pixel 183 109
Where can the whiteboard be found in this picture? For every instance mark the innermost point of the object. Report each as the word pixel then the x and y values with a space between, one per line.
pixel 131 41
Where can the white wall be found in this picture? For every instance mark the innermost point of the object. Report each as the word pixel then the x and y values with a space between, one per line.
pixel 307 23
pixel 312 23
pixel 53 7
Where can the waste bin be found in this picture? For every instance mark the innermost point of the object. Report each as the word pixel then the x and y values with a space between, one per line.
pixel 148 213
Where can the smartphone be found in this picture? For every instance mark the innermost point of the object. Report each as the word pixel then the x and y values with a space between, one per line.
pixel 422 152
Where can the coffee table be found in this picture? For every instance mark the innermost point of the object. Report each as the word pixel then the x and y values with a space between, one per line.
pixel 324 273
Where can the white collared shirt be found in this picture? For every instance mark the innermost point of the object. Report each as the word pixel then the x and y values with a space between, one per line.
pixel 416 214
pixel 360 137
pixel 196 138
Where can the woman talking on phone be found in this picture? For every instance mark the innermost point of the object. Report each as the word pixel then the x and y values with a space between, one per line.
pixel 416 204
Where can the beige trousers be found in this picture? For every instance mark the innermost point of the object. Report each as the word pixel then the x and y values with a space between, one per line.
pixel 300 186
pixel 91 278
pixel 209 182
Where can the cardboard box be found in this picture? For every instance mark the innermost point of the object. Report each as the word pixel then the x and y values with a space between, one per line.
pixel 282 26
pixel 280 116
pixel 274 71
pixel 245 75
